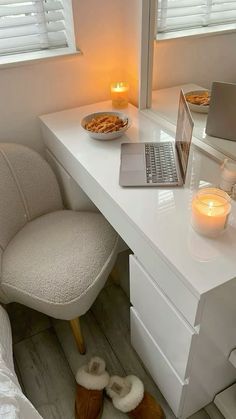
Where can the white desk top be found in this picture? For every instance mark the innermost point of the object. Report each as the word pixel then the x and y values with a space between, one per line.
pixel 165 104
pixel 160 216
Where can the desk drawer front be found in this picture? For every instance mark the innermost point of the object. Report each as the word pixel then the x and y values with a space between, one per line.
pixel 165 377
pixel 187 303
pixel 167 327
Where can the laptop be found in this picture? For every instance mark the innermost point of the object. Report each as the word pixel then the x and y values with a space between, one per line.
pixel 159 164
pixel 222 111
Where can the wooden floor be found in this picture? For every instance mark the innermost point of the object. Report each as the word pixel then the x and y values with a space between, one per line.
pixel 47 359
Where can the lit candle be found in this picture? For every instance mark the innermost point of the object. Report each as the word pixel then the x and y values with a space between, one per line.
pixel 210 211
pixel 119 94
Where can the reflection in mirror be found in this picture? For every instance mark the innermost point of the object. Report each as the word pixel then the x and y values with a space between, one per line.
pixel 191 50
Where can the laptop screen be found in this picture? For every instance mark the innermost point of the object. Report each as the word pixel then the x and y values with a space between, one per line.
pixel 184 132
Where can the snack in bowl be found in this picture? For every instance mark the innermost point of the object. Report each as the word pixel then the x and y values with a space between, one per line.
pixel 106 125
pixel 198 100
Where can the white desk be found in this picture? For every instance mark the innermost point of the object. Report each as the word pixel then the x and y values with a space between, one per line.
pixel 183 320
pixel 165 104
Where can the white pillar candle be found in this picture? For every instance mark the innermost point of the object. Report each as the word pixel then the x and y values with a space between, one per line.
pixel 210 211
pixel 119 94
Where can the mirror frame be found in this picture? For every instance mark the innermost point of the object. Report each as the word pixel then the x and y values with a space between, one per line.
pixel 148 21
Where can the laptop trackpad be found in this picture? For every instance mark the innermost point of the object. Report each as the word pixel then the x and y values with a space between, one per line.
pixel 133 162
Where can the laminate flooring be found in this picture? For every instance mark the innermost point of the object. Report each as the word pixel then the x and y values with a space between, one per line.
pixel 46 357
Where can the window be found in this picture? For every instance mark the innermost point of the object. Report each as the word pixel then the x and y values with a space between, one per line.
pixel 32 26
pixel 201 15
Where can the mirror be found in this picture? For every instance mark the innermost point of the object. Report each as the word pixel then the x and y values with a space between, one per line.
pixel 191 62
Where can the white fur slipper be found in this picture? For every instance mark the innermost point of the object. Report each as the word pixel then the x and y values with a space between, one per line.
pixel 93 376
pixel 126 393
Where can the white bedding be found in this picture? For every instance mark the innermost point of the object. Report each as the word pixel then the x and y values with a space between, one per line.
pixel 13 403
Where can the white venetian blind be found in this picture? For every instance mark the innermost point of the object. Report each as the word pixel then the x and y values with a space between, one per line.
pixel 34 25
pixel 174 15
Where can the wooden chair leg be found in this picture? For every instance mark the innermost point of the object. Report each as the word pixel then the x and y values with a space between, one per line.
pixel 76 329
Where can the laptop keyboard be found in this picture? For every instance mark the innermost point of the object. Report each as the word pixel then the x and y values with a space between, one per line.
pixel 160 163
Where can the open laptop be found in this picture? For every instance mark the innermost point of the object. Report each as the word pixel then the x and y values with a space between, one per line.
pixel 159 164
pixel 222 111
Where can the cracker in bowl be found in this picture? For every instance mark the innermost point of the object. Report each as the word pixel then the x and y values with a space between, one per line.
pixel 198 100
pixel 106 125
pixel 202 99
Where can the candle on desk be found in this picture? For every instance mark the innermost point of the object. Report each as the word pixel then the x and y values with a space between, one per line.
pixel 210 211
pixel 119 94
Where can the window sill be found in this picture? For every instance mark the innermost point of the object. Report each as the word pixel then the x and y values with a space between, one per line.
pixel 15 60
pixel 198 32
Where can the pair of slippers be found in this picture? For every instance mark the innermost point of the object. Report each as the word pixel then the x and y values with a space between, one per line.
pixel 127 394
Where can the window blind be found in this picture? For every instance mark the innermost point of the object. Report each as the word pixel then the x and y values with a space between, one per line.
pixel 174 15
pixel 27 26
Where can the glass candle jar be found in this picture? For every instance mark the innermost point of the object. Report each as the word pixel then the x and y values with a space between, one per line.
pixel 228 175
pixel 119 94
pixel 210 211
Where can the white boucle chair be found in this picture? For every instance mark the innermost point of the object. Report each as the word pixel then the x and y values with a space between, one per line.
pixel 53 260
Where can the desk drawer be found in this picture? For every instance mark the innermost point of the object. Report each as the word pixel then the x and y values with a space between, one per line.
pixel 171 386
pixel 166 325
pixel 169 281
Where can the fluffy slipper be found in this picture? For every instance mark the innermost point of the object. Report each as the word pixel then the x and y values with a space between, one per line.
pixel 91 378
pixel 129 397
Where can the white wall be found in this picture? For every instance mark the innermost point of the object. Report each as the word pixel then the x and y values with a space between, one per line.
pixel 197 60
pixel 132 40
pixel 108 34
pixel 30 90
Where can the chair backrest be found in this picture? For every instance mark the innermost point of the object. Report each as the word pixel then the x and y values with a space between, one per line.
pixel 3 297
pixel 28 189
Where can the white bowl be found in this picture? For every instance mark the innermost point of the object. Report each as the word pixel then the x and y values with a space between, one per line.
pixel 197 108
pixel 109 135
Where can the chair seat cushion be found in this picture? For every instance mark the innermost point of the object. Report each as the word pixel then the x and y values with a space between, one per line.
pixel 56 260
